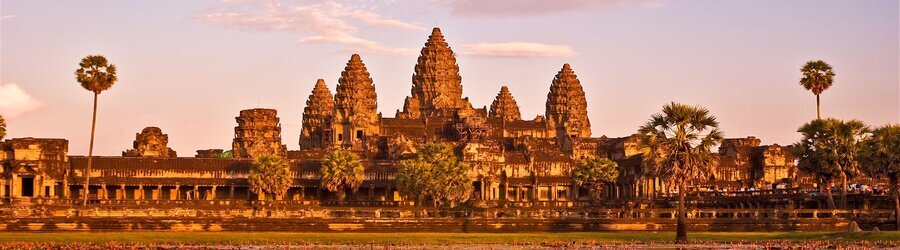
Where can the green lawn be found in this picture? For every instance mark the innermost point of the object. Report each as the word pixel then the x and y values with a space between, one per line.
pixel 426 238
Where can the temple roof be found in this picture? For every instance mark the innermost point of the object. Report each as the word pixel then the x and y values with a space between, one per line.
pixel 566 103
pixel 504 106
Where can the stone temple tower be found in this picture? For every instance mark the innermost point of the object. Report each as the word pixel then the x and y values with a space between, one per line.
pixel 355 105
pixel 504 106
pixel 150 142
pixel 437 85
pixel 258 133
pixel 566 105
pixel 316 115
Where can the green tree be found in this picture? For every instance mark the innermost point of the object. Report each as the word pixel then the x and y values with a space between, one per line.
pixel 435 172
pixel 225 154
pixel 677 147
pixel 270 176
pixel 595 171
pixel 341 170
pixel 2 128
pixel 830 150
pixel 95 74
pixel 880 157
pixel 817 77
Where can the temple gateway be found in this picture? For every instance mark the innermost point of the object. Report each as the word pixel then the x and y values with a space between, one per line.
pixel 516 162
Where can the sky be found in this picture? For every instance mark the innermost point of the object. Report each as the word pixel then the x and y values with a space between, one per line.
pixel 189 66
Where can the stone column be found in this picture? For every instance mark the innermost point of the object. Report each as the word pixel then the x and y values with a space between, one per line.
pixel 13 191
pixel 139 193
pixel 196 194
pixel 212 195
pixel 231 192
pixel 553 192
pixel 52 190
pixel 105 192
pixel 157 194
pixel 173 194
pixel 2 188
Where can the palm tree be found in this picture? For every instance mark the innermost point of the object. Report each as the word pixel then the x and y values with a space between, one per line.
pixel 2 128
pixel 269 176
pixel 677 147
pixel 341 170
pixel 436 172
pixel 595 171
pixel 830 150
pixel 817 77
pixel 96 75
pixel 881 158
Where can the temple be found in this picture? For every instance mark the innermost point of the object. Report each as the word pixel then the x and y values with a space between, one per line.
pixel 516 162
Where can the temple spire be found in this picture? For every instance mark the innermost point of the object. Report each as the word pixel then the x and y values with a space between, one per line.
pixel 504 106
pixel 355 103
pixel 567 105
pixel 437 85
pixel 319 109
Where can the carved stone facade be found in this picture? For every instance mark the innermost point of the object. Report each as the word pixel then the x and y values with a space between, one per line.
pixel 317 114
pixel 356 106
pixel 567 106
pixel 505 107
pixel 258 133
pixel 150 142
pixel 437 85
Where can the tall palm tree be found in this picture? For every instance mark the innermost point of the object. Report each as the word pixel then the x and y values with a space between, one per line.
pixel 95 74
pixel 269 176
pixel 881 158
pixel 341 170
pixel 677 147
pixel 830 150
pixel 817 77
pixel 2 128
pixel 597 172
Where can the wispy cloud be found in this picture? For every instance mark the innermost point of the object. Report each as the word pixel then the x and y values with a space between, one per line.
pixel 324 21
pixel 7 16
pixel 529 8
pixel 15 102
pixel 517 49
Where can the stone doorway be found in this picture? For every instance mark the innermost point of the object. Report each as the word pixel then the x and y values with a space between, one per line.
pixel 27 186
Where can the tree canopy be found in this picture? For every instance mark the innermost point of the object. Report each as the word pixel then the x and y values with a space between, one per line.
pixel 595 171
pixel 435 172
pixel 829 149
pixel 270 175
pixel 342 169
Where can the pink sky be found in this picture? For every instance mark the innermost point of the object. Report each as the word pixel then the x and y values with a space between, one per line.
pixel 189 66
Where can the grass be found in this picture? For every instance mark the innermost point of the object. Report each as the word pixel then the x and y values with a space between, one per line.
pixel 429 238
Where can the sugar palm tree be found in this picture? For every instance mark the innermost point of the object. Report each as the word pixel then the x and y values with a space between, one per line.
pixel 341 170
pixel 95 74
pixel 597 172
pixel 830 150
pixel 2 128
pixel 881 158
pixel 269 176
pixel 677 147
pixel 817 77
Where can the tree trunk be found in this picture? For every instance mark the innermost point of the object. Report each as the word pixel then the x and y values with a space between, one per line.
pixel 87 172
pixel 830 196
pixel 895 188
pixel 818 112
pixel 681 228
pixel 843 190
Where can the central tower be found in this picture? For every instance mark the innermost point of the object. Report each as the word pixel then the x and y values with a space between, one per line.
pixel 437 85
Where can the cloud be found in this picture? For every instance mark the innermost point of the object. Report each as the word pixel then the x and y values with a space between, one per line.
pixel 324 21
pixel 8 17
pixel 529 8
pixel 517 49
pixel 15 102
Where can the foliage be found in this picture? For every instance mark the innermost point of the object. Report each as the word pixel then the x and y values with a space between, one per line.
pixel 2 128
pixel 96 73
pixel 270 175
pixel 435 172
pixel 677 143
pixel 225 154
pixel 677 147
pixel 595 171
pixel 880 153
pixel 817 76
pixel 830 150
pixel 342 169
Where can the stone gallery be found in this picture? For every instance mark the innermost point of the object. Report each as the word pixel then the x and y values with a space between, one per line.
pixel 520 167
